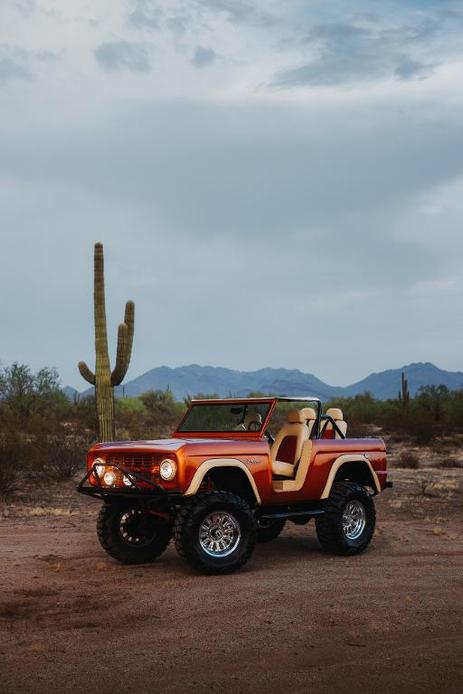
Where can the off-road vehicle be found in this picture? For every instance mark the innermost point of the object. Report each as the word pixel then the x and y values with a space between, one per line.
pixel 233 473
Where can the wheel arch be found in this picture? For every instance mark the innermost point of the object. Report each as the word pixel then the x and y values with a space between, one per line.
pixel 356 468
pixel 223 470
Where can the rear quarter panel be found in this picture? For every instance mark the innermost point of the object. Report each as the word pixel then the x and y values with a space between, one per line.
pixel 326 452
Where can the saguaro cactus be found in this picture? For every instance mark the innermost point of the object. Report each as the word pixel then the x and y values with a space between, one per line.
pixel 104 379
pixel 404 394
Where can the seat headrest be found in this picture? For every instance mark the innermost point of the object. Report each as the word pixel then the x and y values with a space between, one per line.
pixel 335 413
pixel 309 413
pixel 301 416
pixel 295 417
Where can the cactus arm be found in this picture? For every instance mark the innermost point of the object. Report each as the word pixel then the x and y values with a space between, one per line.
pixel 86 373
pixel 122 363
pixel 124 344
pixel 129 320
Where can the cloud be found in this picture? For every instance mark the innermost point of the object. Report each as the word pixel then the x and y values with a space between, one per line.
pixel 14 63
pixel 203 57
pixel 407 69
pixel 115 56
pixel 17 63
pixel 145 13
pixel 344 53
pixel 239 11
pixel 26 7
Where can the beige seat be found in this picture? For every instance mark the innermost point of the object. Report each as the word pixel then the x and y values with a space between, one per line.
pixel 310 417
pixel 252 422
pixel 336 414
pixel 287 447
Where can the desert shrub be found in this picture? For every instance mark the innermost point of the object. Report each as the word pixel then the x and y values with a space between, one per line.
pixel 81 414
pixel 59 457
pixel 8 473
pixel 163 412
pixel 408 459
pixel 15 457
pixel 131 419
pixel 25 395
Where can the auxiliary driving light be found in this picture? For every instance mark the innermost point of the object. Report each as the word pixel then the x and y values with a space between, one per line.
pixel 99 467
pixel 167 469
pixel 127 481
pixel 109 478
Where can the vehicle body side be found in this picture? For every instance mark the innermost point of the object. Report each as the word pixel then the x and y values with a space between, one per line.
pixel 197 458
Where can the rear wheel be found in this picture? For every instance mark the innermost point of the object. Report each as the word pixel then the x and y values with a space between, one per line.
pixel 269 528
pixel 132 535
pixel 215 532
pixel 348 523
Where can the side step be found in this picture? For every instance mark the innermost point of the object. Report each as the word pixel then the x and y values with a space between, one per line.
pixel 290 513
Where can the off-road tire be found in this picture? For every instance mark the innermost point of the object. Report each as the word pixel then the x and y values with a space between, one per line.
pixel 191 518
pixel 268 530
pixel 329 526
pixel 111 539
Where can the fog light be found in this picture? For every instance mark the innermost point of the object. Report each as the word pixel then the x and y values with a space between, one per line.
pixel 127 481
pixel 167 469
pixel 99 467
pixel 109 478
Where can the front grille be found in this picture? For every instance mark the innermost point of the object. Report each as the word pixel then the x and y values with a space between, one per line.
pixel 135 461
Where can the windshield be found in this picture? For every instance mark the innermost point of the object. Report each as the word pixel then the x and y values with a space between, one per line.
pixel 221 417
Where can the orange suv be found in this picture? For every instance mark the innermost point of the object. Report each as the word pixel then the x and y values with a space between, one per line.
pixel 233 473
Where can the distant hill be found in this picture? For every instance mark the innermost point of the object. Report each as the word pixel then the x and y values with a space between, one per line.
pixel 386 384
pixel 189 380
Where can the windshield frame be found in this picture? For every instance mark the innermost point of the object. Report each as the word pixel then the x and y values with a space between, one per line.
pixel 253 435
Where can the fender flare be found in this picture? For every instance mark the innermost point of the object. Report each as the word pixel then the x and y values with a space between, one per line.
pixel 220 462
pixel 339 462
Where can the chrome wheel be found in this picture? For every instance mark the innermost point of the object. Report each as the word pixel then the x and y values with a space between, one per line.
pixel 136 527
pixel 219 534
pixel 353 520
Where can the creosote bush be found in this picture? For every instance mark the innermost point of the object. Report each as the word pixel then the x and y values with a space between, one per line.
pixel 409 460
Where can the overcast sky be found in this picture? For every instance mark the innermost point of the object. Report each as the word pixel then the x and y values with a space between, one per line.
pixel 275 183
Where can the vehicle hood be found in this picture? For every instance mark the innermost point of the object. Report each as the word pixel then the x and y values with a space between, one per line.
pixel 193 446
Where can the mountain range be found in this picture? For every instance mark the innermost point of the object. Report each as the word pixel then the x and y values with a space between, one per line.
pixel 194 379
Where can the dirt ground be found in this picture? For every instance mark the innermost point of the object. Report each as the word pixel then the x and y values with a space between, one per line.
pixel 295 619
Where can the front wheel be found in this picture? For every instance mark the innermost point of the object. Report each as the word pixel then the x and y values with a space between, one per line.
pixel 215 532
pixel 348 523
pixel 132 535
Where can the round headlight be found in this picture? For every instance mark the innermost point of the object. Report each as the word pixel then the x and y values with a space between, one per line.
pixel 167 469
pixel 109 478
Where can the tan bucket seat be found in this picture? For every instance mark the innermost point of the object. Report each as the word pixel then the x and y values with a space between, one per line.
pixel 287 447
pixel 336 414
